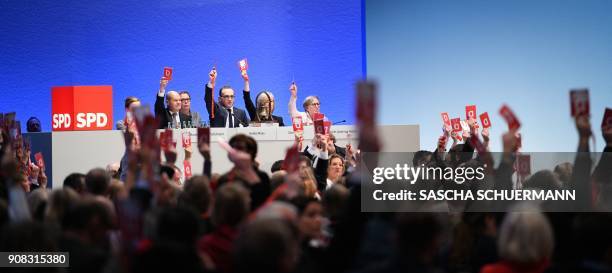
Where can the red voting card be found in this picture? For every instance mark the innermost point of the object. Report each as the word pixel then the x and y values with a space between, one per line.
pixel 298 126
pixel 165 139
pixel 204 135
pixel 186 139
pixel 607 120
pixel 326 127
pixel 292 159
pixel 319 125
pixel 524 164
pixel 484 120
pixel 470 112
pixel 511 119
pixel 187 168
pixel 317 116
pixel 168 73
pixel 366 103
pixel 39 160
pixel 243 65
pixel 446 119
pixel 456 123
pixel 579 102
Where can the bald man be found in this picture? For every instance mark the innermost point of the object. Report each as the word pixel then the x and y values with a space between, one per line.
pixel 170 116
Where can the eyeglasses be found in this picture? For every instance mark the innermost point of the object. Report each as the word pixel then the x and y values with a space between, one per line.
pixel 228 96
pixel 186 99
pixel 315 104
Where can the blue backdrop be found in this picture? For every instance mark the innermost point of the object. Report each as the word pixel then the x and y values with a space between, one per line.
pixel 127 43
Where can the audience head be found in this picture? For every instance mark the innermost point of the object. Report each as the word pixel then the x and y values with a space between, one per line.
pixel 173 100
pixel 418 236
pixel 310 213
pixel 276 166
pixel 226 96
pixel 75 181
pixel 336 168
pixel 525 238
pixel 266 245
pixel 231 205
pixel 131 103
pixel 113 170
pixel 564 172
pixel 97 181
pixel 196 194
pixel 244 143
pixel 421 158
pixel 33 125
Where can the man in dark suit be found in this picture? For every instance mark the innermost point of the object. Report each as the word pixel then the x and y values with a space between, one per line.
pixel 170 117
pixel 265 104
pixel 225 114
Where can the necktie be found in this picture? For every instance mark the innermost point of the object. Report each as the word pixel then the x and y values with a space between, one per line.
pixel 231 118
pixel 176 123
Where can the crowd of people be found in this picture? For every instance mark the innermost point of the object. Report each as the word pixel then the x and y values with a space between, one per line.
pixel 303 215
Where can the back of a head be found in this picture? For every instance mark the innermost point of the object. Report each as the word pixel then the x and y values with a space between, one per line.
pixel 525 238
pixel 37 201
pixel 544 180
pixel 335 200
pixel 231 205
pixel 564 172
pixel 276 166
pixel 60 202
pixel 417 233
pixel 196 194
pixel 86 214
pixel 75 181
pixel 177 225
pixel 276 179
pixel 266 245
pixel 97 181
pixel 421 157
pixel 244 143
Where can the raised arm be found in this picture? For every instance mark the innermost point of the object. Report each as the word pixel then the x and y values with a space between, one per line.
pixel 293 100
pixel 159 99
pixel 208 93
pixel 246 95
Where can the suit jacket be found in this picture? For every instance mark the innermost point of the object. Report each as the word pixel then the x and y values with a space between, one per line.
pixel 221 114
pixel 253 110
pixel 164 115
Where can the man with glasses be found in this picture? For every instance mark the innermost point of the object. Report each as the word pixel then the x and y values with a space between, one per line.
pixel 196 120
pixel 169 117
pixel 311 105
pixel 223 114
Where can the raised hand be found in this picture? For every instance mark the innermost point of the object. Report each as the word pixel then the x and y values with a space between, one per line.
pixel 212 75
pixel 293 89
pixel 162 85
pixel 485 134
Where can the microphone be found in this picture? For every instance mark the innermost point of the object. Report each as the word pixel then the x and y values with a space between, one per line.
pixel 342 121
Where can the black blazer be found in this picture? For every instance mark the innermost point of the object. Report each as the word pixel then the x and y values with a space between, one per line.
pixel 221 113
pixel 162 113
pixel 253 110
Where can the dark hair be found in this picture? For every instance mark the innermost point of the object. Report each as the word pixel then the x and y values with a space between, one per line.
pixel 304 158
pixel 129 100
pixel 196 194
pixel 79 216
pixel 185 92
pixel 179 225
pixel 231 205
pixel 97 181
pixel 249 142
pixel 277 166
pixel 31 125
pixel 301 202
pixel 168 170
pixel 421 156
pixel 75 181
pixel 224 87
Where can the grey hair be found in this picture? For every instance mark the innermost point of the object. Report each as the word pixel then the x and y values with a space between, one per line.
pixel 308 100
pixel 170 93
pixel 526 237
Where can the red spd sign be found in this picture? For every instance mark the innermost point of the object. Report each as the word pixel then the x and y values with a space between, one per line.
pixel 579 102
pixel 456 124
pixel 187 169
pixel 317 116
pixel 607 120
pixel 204 135
pixel 167 73
pixel 39 160
pixel 292 159
pixel 186 139
pixel 326 127
pixel 82 108
pixel 446 119
pixel 319 126
pixel 511 119
pixel 298 125
pixel 524 164
pixel 243 65
pixel 470 112
pixel 484 120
